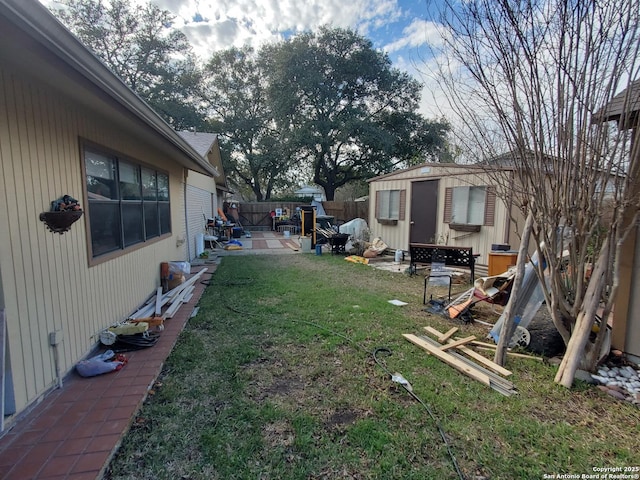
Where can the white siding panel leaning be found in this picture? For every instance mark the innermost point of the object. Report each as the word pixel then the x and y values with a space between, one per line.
pixel 199 206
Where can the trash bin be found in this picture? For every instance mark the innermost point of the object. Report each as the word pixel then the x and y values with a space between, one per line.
pixel 236 232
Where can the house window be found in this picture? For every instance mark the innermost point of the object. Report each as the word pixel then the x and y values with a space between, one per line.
pixel 470 205
pixel 128 203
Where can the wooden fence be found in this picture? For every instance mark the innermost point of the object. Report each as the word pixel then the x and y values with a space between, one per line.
pixel 258 214
pixel 345 211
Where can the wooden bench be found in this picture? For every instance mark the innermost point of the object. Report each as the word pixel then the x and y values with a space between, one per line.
pixel 426 254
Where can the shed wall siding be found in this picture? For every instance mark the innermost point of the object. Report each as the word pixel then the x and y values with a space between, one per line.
pixel 397 236
pixel 46 279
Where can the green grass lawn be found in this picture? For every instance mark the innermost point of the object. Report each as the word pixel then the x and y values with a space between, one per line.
pixel 275 379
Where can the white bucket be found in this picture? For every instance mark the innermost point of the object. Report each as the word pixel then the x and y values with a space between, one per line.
pixel 287 234
pixel 398 256
pixel 305 244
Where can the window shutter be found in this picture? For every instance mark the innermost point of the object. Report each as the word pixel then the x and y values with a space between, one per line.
pixel 448 200
pixel 377 204
pixel 490 207
pixel 403 204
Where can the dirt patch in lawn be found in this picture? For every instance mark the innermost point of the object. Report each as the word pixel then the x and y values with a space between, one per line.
pixel 278 434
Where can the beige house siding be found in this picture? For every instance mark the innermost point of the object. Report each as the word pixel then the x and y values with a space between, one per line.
pixel 397 236
pixel 47 281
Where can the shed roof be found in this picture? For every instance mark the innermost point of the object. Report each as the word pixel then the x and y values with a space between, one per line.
pixel 447 168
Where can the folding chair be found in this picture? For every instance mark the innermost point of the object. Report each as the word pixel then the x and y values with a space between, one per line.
pixel 208 235
pixel 437 272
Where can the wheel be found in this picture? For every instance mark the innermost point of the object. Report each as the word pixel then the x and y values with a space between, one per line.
pixel 521 338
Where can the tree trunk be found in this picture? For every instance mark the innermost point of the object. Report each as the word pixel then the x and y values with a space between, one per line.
pixel 579 337
pixel 509 325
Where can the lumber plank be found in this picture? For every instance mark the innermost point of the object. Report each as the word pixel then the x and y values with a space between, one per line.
pixel 449 359
pixel 490 364
pixel 456 343
pixel 514 354
pixel 433 331
pixel 485 361
pixel 292 246
pixel 484 344
pixel 171 311
pixel 498 383
pixel 444 337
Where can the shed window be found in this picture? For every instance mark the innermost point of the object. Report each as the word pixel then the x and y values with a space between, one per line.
pixel 467 205
pixel 128 203
pixel 390 204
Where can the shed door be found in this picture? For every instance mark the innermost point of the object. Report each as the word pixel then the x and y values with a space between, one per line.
pixel 424 211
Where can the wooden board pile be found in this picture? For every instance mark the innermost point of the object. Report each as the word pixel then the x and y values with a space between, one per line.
pixel 150 315
pixel 456 353
pixel 326 232
pixel 173 298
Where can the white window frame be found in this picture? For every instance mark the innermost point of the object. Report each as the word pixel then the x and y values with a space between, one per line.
pixel 468 205
pixel 389 204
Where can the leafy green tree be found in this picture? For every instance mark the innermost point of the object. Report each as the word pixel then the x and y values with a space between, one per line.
pixel 345 110
pixel 257 155
pixel 140 44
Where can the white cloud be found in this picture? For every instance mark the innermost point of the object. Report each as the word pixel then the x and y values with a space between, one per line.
pixel 216 25
pixel 418 33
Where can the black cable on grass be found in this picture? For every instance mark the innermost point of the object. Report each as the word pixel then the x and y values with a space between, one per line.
pixel 426 406
pixel 235 310
pixel 383 366
pixel 236 282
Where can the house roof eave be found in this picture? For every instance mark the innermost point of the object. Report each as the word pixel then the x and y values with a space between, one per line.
pixel 36 22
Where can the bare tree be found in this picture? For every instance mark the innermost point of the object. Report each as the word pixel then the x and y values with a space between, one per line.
pixel 530 78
